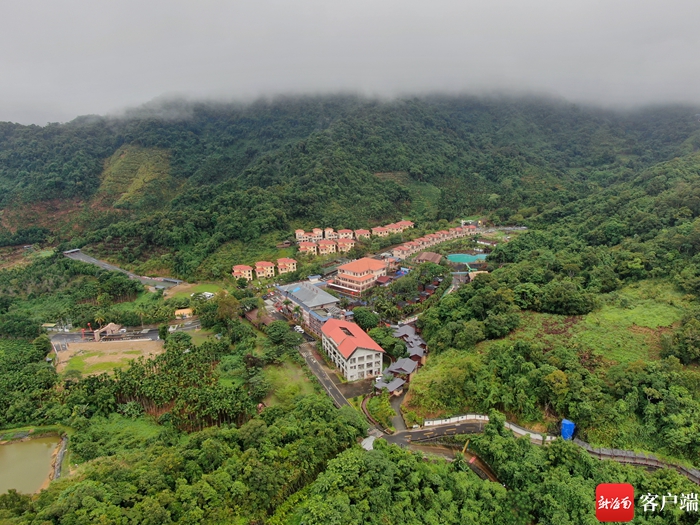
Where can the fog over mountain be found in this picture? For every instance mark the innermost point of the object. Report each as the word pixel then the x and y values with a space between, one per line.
pixel 71 57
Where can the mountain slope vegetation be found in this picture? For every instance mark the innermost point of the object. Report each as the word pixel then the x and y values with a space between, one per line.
pixel 222 172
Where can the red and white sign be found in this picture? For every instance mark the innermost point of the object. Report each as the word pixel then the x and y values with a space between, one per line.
pixel 614 502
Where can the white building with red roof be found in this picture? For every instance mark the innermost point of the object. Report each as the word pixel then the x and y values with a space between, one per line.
pixel 355 353
pixel 264 269
pixel 286 265
pixel 243 270
pixel 308 247
pixel 326 247
pixel 362 234
pixel 380 231
pixel 345 234
pixel 345 245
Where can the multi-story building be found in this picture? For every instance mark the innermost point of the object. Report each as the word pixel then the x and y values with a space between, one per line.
pixel 358 276
pixel 326 247
pixel 315 305
pixel 264 269
pixel 393 228
pixel 362 234
pixel 243 270
pixel 329 233
pixel 380 231
pixel 401 252
pixel 314 235
pixel 355 353
pixel 404 225
pixel 345 245
pixel 345 234
pixel 308 247
pixel 286 265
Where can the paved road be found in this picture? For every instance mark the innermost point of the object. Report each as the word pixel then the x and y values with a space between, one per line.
pixel 466 427
pixel 60 341
pixel 397 421
pixel 80 256
pixel 306 352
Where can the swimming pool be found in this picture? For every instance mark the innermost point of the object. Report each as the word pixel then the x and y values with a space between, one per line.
pixel 466 258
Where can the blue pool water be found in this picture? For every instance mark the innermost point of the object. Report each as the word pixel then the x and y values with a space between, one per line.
pixel 466 258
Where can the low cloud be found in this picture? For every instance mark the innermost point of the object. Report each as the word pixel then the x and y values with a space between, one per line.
pixel 73 57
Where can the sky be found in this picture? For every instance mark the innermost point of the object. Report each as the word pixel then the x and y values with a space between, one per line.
pixel 63 58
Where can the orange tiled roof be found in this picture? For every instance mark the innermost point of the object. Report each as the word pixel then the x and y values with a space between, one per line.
pixel 242 268
pixel 362 265
pixel 263 264
pixel 347 344
pixel 286 260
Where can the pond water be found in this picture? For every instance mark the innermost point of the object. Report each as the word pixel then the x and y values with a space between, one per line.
pixel 465 257
pixel 26 465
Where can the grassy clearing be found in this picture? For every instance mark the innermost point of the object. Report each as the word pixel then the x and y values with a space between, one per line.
pixel 95 358
pixel 288 381
pixel 186 290
pixel 200 336
pixel 628 327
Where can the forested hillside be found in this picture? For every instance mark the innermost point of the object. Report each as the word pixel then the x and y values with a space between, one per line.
pixel 188 178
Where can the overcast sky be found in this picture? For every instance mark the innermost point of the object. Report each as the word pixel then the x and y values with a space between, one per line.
pixel 64 58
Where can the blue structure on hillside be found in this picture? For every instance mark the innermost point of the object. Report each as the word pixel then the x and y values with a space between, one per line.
pixel 567 429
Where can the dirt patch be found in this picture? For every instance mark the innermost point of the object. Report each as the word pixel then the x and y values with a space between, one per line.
pixel 11 256
pixel 107 352
pixel 560 327
pixel 653 337
pixel 180 288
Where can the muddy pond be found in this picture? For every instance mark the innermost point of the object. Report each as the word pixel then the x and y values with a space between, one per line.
pixel 26 465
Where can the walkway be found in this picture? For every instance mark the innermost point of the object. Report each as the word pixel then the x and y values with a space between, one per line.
pixel 397 421
pixel 307 352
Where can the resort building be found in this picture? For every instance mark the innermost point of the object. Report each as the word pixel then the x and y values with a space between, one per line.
pixel 380 231
pixel 358 276
pixel 345 245
pixel 362 234
pixel 308 247
pixel 355 353
pixel 329 233
pixel 264 269
pixel 326 247
pixel 286 265
pixel 345 234
pixel 243 270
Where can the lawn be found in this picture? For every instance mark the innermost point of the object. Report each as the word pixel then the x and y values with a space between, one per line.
pixel 288 381
pixel 186 290
pixel 199 336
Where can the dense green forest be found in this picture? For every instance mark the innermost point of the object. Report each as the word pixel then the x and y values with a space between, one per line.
pixel 182 180
pixel 591 315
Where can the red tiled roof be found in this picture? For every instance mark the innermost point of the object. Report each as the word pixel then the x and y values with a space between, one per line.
pixel 326 242
pixel 346 241
pixel 379 229
pixel 362 265
pixel 242 268
pixel 264 264
pixel 384 279
pixel 306 244
pixel 361 232
pixel 347 344
pixel 286 260
pixel 404 223
pixel 344 231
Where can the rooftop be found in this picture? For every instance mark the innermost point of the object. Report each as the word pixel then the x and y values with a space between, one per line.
pixel 264 263
pixel 286 260
pixel 403 366
pixel 241 267
pixel 362 265
pixel 392 385
pixel 429 257
pixel 348 337
pixel 308 294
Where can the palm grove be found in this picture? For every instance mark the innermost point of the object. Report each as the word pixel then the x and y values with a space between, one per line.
pixel 610 199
